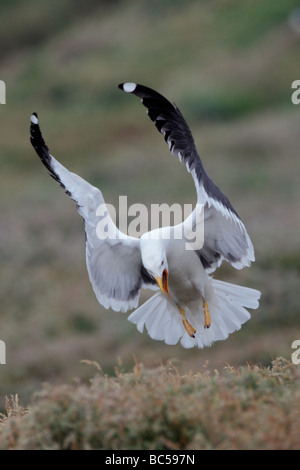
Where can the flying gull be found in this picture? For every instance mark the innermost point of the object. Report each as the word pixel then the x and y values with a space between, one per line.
pixel 189 305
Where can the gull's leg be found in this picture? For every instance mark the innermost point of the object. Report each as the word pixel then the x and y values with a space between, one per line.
pixel 189 328
pixel 207 320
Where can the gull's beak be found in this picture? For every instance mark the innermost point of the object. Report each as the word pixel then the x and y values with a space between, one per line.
pixel 163 283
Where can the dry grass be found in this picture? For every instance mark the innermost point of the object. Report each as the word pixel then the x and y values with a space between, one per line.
pixel 244 408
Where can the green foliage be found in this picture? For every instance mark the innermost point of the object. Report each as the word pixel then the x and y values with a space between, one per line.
pixel 245 23
pixel 245 408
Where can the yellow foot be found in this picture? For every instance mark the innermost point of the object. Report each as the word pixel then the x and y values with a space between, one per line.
pixel 189 328
pixel 207 320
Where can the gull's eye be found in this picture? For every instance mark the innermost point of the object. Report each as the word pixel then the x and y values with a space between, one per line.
pixel 162 263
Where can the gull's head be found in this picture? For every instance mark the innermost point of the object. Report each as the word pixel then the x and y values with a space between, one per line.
pixel 155 261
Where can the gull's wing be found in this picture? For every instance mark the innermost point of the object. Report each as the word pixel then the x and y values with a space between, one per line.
pixel 225 236
pixel 113 259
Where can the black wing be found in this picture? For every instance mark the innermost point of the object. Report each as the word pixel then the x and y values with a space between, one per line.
pixel 225 236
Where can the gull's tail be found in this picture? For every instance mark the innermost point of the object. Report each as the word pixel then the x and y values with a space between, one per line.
pixel 227 307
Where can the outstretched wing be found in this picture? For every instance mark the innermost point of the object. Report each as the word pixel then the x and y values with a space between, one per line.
pixel 113 259
pixel 225 236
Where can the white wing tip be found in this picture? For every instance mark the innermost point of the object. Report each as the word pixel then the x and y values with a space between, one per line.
pixel 128 87
pixel 34 118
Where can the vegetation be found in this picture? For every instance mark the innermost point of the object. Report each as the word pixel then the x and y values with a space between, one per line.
pixel 229 66
pixel 245 408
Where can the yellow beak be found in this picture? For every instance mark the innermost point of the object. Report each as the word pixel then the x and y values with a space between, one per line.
pixel 163 283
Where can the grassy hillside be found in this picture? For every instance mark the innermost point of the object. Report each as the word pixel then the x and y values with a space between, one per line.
pixel 245 408
pixel 229 67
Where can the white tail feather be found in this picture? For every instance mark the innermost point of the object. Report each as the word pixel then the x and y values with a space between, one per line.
pixel 227 308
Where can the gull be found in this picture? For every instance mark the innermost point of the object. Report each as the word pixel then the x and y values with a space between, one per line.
pixel 189 305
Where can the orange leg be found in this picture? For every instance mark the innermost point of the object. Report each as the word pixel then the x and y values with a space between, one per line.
pixel 207 320
pixel 189 328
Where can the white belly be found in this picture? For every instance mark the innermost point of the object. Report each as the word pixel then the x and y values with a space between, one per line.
pixel 188 281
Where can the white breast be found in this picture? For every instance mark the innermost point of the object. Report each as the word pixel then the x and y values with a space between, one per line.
pixel 188 281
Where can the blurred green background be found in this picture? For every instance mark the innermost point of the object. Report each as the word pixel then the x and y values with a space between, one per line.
pixel 229 66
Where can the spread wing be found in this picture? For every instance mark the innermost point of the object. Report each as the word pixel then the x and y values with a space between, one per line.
pixel 113 259
pixel 225 236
